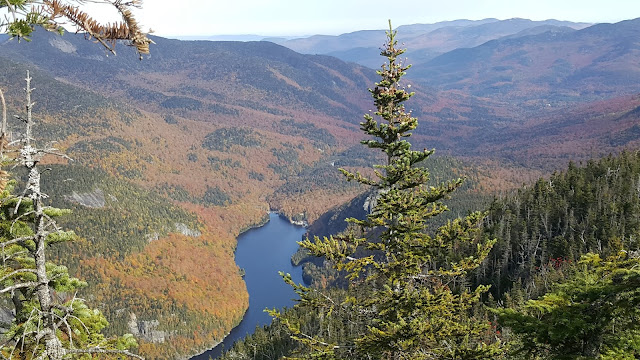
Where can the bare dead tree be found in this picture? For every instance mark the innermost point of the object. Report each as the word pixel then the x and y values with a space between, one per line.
pixel 3 127
pixel 3 141
pixel 27 275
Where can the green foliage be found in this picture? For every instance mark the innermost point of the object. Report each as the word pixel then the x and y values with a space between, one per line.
pixel 100 147
pixel 177 193
pixel 49 319
pixel 556 310
pixel 287 161
pixel 124 224
pixel 320 137
pixel 266 343
pixel 223 138
pixel 256 175
pixel 404 295
pixel 80 326
pixel 593 208
pixel 321 175
pixel 624 137
pixel 170 119
pixel 23 16
pixel 593 315
pixel 222 110
pixel 181 102
pixel 70 105
pixel 23 27
pixel 287 155
pixel 216 162
pixel 215 196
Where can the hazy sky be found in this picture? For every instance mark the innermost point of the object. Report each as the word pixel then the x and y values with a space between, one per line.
pixel 306 17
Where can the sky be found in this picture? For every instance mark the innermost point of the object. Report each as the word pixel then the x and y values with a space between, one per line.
pixel 332 17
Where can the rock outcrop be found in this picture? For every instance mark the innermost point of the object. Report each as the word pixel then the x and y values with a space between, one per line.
pixel 94 199
pixel 146 330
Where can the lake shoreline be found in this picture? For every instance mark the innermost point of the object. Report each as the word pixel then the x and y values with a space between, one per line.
pixel 284 228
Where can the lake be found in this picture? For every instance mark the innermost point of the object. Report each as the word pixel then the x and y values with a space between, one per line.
pixel 262 252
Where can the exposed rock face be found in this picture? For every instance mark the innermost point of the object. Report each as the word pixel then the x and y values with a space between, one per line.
pixel 6 317
pixel 94 199
pixel 62 45
pixel 186 231
pixel 133 324
pixel 152 237
pixel 146 330
pixel 370 203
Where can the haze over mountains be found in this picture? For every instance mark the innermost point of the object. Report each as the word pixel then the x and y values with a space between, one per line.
pixel 593 63
pixel 227 130
pixel 424 41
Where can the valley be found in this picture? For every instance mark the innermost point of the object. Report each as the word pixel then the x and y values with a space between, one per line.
pixel 192 146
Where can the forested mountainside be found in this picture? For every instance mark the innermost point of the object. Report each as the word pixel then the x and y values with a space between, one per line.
pixel 469 197
pixel 263 84
pixel 541 231
pixel 590 207
pixel 176 154
pixel 138 248
pixel 547 69
pixel 559 81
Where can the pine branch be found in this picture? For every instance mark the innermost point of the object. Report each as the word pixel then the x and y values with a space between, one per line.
pixel 107 34
pixel 27 285
pixel 32 271
pixel 19 240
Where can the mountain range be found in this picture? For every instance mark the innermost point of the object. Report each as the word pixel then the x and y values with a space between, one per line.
pixel 424 41
pixel 207 136
pixel 594 63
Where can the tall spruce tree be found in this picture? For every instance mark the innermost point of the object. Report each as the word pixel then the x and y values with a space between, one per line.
pixel 407 297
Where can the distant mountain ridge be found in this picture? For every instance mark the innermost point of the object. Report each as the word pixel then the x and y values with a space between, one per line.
pixel 424 41
pixel 593 63
pixel 273 74
pixel 486 89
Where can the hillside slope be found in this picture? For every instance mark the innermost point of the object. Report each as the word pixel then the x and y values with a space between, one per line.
pixel 138 248
pixel 547 69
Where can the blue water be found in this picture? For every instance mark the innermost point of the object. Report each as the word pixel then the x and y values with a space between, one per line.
pixel 262 252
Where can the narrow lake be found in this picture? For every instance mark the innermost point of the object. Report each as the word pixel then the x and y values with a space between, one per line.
pixel 262 252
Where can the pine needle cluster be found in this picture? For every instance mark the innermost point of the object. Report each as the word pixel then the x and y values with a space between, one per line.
pixel 25 15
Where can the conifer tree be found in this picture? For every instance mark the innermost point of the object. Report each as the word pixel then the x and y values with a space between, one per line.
pixel 592 315
pixel 50 320
pixel 407 297
pixel 25 15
